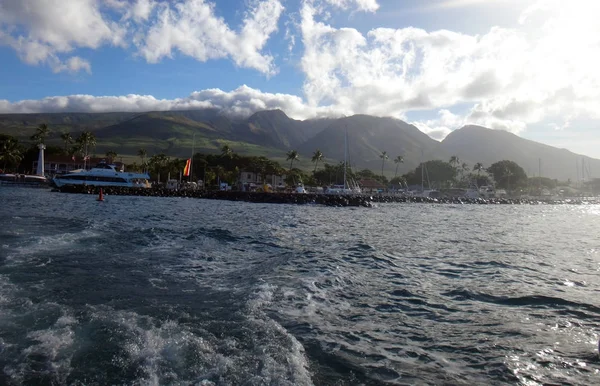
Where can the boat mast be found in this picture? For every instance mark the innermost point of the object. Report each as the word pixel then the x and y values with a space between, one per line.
pixel 422 173
pixel 540 175
pixel 192 157
pixel 345 155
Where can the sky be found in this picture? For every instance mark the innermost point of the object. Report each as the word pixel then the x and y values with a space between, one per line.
pixel 531 67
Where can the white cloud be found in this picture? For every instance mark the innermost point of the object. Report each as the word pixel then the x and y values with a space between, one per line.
pixel 141 9
pixel 39 31
pixel 545 68
pixel 192 28
pixel 240 102
pixel 450 4
pixel 359 5
pixel 42 31
pixel 442 126
pixel 73 64
pixel 116 4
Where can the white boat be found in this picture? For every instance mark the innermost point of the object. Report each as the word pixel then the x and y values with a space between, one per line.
pixel 428 193
pixel 103 174
pixel 23 180
pixel 300 188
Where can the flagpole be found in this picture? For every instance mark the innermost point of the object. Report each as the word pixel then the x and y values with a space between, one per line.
pixel 192 157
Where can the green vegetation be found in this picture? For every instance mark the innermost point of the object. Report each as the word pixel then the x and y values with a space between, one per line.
pixel 11 153
pixel 508 175
pixel 383 157
pixel 398 160
pixel 439 174
pixel 222 160
pixel 292 156
pixel 41 133
pixel 227 165
pixel 317 156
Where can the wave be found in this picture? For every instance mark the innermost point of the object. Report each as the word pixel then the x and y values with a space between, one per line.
pixel 529 300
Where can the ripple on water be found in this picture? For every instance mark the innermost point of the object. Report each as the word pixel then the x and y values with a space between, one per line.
pixel 181 291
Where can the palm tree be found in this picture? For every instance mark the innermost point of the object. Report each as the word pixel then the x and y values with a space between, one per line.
pixel 220 171
pixel 226 151
pixel 454 161
pixel 41 133
pixel 478 167
pixel 142 153
pixel 317 156
pixel 398 160
pixel 292 156
pixel 158 163
pixel 10 153
pixel 383 157
pixel 87 140
pixel 111 155
pixel 67 139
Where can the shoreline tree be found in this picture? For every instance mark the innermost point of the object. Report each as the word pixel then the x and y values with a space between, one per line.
pixel 40 134
pixel 508 175
pixel 142 153
pixel 383 156
pixel 317 156
pixel 292 156
pixel 226 151
pixel 67 140
pixel 440 173
pixel 111 155
pixel 10 153
pixel 398 160
pixel 86 142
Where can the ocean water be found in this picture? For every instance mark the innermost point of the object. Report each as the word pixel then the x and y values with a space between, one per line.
pixel 176 291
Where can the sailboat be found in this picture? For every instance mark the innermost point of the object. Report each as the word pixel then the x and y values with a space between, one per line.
pixel 350 186
pixel 426 192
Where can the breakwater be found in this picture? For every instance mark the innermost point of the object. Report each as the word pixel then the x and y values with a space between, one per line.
pixel 363 200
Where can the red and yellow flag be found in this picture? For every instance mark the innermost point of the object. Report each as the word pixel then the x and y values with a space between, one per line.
pixel 186 169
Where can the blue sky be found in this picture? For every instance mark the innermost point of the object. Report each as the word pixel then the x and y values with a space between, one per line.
pixel 438 64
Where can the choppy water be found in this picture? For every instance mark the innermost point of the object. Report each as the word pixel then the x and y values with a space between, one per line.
pixel 140 290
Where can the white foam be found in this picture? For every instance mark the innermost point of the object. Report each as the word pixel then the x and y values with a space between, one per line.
pixel 157 283
pixel 294 369
pixel 55 344
pixel 162 350
pixel 37 245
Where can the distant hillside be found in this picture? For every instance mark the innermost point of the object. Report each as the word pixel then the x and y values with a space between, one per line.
pixel 368 136
pixel 272 133
pixel 24 125
pixel 478 144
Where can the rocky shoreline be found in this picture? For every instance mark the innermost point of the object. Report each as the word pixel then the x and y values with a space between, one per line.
pixel 308 198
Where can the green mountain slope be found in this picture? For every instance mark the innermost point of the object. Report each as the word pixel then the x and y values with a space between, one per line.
pixel 368 137
pixel 478 144
pixel 272 133
pixel 24 125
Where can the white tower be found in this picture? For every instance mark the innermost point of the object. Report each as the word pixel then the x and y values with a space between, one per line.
pixel 40 164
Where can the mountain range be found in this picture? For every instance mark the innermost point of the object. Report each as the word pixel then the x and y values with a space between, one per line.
pixel 272 133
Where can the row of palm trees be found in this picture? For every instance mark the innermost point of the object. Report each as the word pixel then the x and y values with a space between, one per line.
pixel 398 160
pixel 12 153
pixel 455 161
pixel 293 155
pixel 83 144
pixel 318 156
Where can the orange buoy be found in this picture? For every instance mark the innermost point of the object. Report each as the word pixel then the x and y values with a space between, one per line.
pixel 100 196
